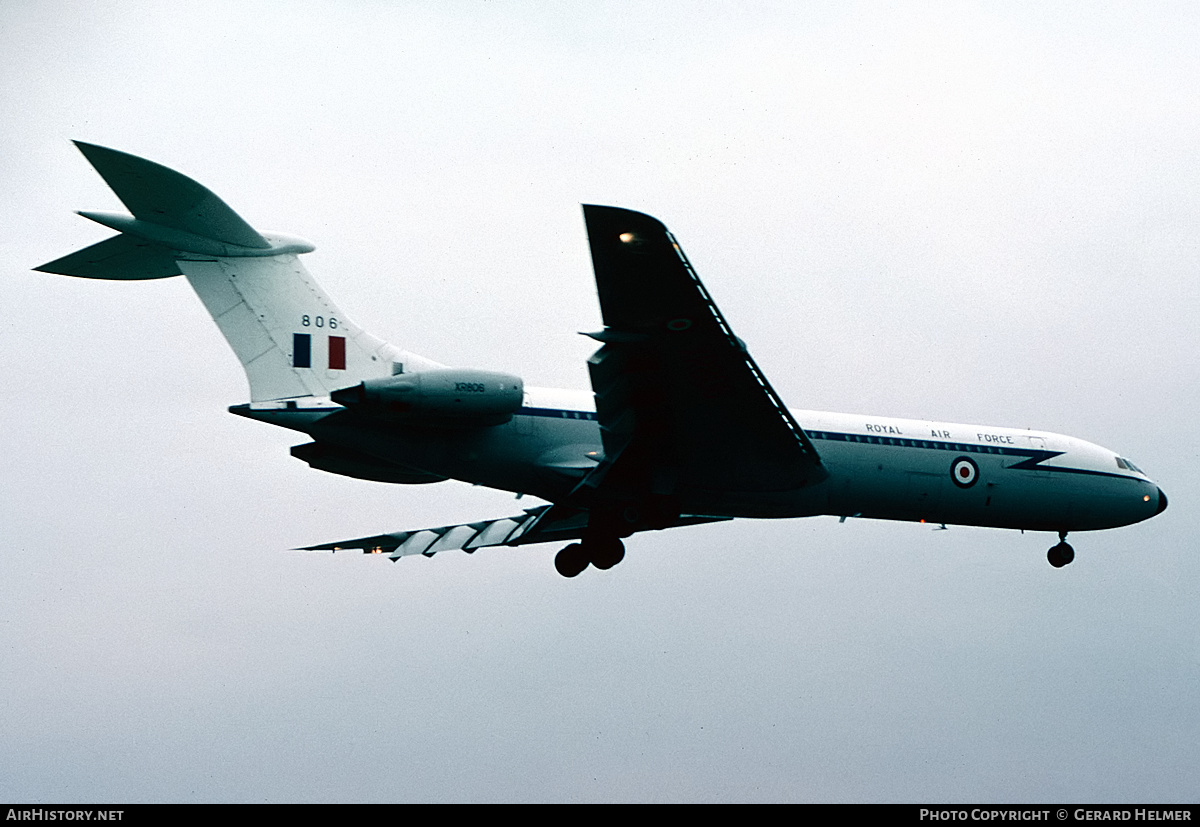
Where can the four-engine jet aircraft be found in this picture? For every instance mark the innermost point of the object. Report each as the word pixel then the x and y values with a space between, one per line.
pixel 681 427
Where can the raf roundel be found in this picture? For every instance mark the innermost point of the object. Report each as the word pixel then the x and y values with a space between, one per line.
pixel 964 472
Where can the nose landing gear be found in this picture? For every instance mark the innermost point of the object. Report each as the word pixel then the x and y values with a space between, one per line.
pixel 1061 554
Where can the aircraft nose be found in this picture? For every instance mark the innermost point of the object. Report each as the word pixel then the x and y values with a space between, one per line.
pixel 1162 502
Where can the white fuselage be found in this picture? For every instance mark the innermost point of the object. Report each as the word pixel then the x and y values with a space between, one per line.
pixel 879 467
pixel 695 430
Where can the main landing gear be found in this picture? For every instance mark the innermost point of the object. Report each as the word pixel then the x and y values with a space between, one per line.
pixel 601 552
pixel 1061 554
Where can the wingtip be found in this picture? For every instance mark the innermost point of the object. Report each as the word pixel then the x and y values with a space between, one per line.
pixel 606 212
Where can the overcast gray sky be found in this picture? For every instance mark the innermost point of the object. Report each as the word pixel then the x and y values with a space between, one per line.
pixel 966 212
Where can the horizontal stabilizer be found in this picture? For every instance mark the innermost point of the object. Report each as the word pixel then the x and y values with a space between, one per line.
pixel 163 196
pixel 290 337
pixel 119 257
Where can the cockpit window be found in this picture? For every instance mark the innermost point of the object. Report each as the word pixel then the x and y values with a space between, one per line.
pixel 1129 466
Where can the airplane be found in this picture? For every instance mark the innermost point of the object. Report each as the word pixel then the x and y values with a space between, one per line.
pixel 681 426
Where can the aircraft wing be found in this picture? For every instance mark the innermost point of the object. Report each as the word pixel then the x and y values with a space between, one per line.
pixel 682 405
pixel 544 524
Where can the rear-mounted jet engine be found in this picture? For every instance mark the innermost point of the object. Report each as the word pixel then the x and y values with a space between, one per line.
pixel 454 396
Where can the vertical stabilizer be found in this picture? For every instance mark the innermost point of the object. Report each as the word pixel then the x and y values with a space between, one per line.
pixel 290 337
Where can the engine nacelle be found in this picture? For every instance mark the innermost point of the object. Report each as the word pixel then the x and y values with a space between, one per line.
pixel 347 463
pixel 454 397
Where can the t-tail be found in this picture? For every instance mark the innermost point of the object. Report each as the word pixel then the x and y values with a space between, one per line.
pixel 291 339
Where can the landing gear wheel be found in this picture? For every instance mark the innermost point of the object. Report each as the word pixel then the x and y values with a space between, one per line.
pixel 606 553
pixel 1060 555
pixel 571 560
